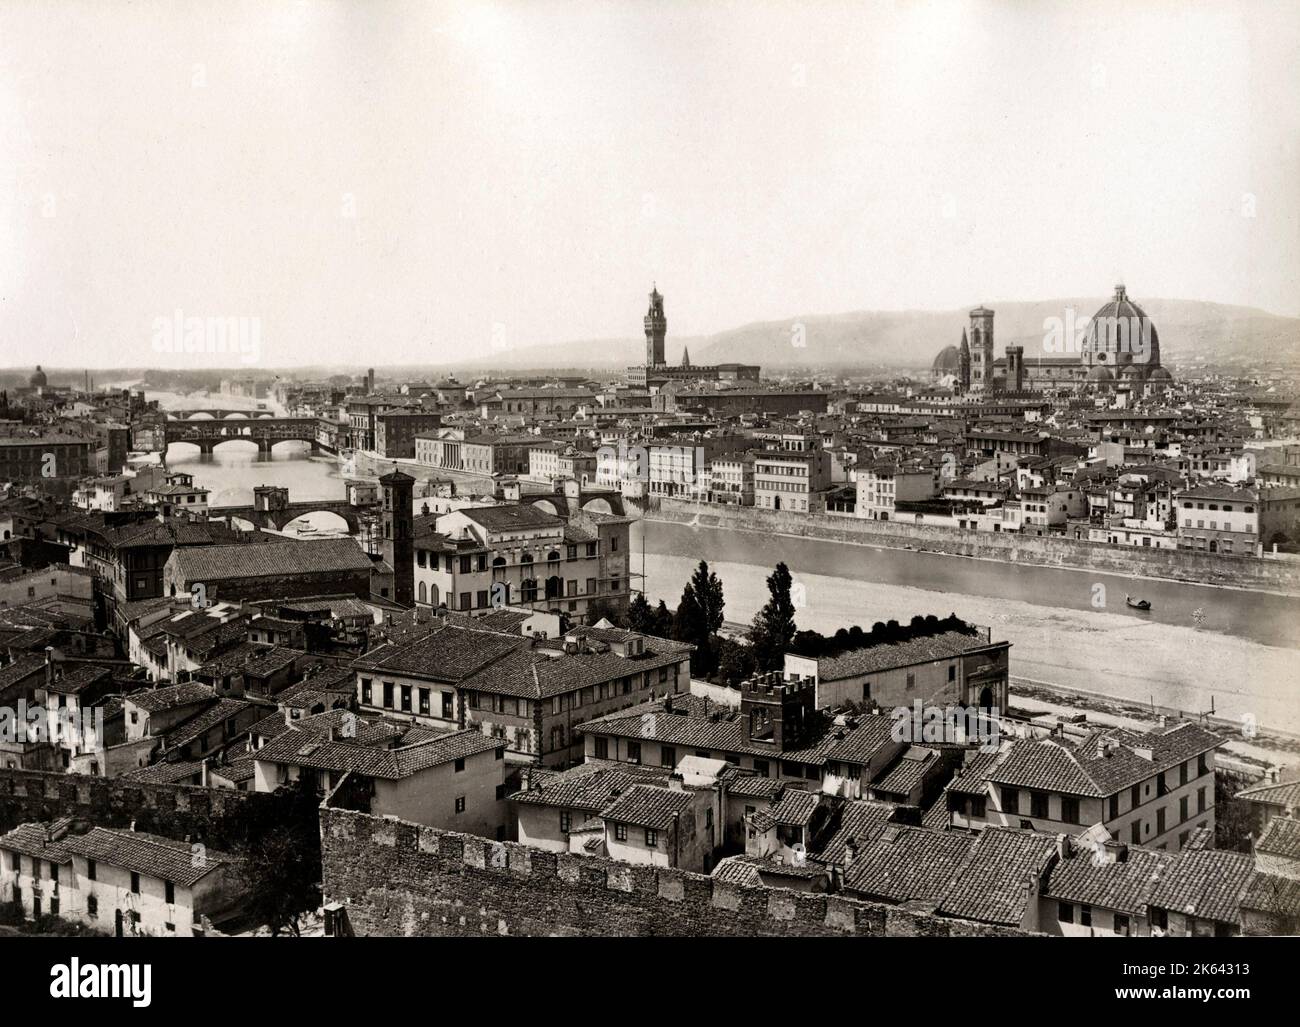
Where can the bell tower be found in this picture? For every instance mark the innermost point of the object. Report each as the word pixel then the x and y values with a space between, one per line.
pixel 981 349
pixel 397 518
pixel 656 328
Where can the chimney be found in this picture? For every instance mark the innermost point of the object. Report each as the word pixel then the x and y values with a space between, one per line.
pixel 1064 846
pixel 676 782
pixel 203 772
pixel 850 853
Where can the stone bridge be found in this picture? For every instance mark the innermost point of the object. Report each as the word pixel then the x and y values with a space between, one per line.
pixel 267 432
pixel 217 413
pixel 271 509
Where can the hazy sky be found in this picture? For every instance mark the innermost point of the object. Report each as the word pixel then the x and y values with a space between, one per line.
pixel 384 182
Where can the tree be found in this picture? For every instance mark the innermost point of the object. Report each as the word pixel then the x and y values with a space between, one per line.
pixel 282 861
pixel 735 661
pixel 663 624
pixel 773 630
pixel 641 615
pixel 698 618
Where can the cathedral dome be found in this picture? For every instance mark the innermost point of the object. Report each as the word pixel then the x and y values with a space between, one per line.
pixel 38 379
pixel 1121 332
pixel 1100 374
pixel 948 361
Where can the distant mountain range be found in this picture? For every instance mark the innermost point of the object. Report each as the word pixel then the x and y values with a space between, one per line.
pixel 1191 331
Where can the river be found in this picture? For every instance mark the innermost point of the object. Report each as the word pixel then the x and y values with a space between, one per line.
pixel 1199 646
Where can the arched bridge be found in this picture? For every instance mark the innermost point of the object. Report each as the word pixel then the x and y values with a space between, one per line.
pixel 271 509
pixel 265 431
pixel 217 413
pixel 277 519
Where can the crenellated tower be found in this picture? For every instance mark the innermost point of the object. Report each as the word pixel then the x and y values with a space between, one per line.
pixel 656 328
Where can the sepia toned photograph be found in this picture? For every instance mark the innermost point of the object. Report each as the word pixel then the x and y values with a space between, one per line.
pixel 738 473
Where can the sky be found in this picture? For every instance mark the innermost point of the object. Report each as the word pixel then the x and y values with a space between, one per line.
pixel 387 182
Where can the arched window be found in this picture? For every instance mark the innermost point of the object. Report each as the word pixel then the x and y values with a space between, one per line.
pixel 528 590
pixel 424 592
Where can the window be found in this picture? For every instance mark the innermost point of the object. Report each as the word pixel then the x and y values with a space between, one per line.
pixel 1085 916
pixel 1070 809
pixel 501 792
pixel 460 804
pixel 1135 797
pixel 1121 924
pixel 365 693
pixel 481 599
pixel 952 672
pixel 651 838
pixel 634 752
pixel 761 768
pixel 1010 800
pixel 406 698
pixel 424 701
pixel 602 748
pixel 1038 804
pixel 92 905
pixel 1065 913
pixel 977 807
pixel 169 890
pixel 668 756
pixel 1200 800
pixel 90 868
pixel 447 712
pixel 388 695
pixel 566 819
pixel 459 765
pixel 135 882
pixel 620 832
pixel 1135 834
pixel 1183 805
pixel 1114 808
pixel 1160 821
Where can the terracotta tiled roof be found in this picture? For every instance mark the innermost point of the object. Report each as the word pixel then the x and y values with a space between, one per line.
pixel 647 806
pixel 902 864
pixel 589 786
pixel 1280 838
pixel 148 854
pixel 994 884
pixel 282 559
pixel 1208 885
pixel 1124 887
pixel 1054 764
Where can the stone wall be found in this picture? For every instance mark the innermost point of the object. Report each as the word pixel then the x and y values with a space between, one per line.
pixel 398 878
pixel 1273 574
pixel 219 817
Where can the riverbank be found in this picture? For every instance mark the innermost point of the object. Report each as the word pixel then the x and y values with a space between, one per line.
pixel 1227 650
pixel 1280 576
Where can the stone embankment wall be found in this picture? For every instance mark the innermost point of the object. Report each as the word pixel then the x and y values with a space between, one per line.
pixel 398 878
pixel 1270 574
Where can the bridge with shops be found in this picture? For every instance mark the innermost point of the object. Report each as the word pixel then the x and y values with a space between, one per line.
pixel 266 432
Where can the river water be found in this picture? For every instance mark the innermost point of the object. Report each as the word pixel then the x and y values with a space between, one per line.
pixel 1199 647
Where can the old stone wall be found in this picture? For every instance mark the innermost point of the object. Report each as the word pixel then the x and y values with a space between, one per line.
pixel 1274 574
pixel 398 878
pixel 219 817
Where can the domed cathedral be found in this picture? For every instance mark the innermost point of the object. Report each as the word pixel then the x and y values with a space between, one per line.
pixel 38 379
pixel 1119 347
